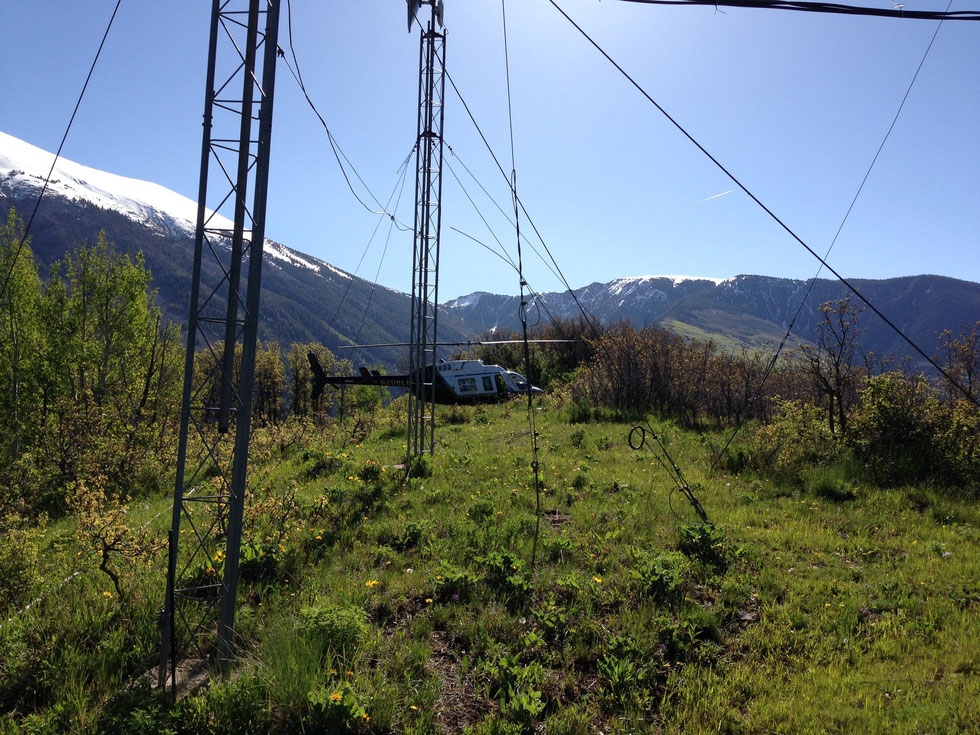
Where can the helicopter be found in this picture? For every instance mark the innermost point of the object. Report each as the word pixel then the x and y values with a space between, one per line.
pixel 455 381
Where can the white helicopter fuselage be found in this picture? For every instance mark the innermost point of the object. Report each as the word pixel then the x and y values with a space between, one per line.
pixel 471 380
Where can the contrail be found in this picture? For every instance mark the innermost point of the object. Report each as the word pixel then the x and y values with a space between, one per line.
pixel 717 195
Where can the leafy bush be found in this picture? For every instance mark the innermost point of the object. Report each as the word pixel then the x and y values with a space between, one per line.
pixel 335 628
pixel 516 688
pixel 505 572
pixel 796 439
pixel 832 483
pixel 904 434
pixel 580 412
pixel 457 414
pixel 18 559
pixel 337 708
pixel 371 471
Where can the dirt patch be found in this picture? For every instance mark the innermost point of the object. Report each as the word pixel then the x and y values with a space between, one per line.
pixel 461 701
pixel 191 675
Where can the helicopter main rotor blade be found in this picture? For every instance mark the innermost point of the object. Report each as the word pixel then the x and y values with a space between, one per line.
pixel 469 343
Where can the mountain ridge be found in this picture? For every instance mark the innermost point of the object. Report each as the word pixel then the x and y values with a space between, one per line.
pixel 762 306
pixel 307 299
pixel 304 299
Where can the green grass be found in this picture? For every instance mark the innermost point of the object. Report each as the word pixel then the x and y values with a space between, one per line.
pixel 828 606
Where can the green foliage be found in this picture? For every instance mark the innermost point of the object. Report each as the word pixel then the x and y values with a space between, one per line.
pixel 19 571
pixel 454 583
pixel 412 600
pixel 335 628
pixel 420 466
pixel 21 347
pixel 795 440
pixel 661 576
pixel 903 433
pixel 89 378
pixel 516 688
pixel 833 482
pixel 704 542
pixel 506 573
pixel 336 708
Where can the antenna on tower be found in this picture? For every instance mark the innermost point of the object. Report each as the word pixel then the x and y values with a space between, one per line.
pixel 413 9
pixel 438 8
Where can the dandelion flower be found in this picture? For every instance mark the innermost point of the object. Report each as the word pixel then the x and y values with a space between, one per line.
pixel 335 697
pixel 597 580
pixel 107 593
pixel 428 600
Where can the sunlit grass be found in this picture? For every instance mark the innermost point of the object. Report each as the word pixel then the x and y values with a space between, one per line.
pixel 835 606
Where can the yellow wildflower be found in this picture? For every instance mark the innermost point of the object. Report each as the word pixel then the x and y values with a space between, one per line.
pixel 335 697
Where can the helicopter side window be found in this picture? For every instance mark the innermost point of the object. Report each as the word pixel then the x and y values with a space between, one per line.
pixel 487 384
pixel 467 385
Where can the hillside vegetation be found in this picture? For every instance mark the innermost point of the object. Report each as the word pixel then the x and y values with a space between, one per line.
pixel 833 590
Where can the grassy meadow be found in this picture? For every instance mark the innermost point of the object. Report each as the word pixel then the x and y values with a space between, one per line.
pixel 372 604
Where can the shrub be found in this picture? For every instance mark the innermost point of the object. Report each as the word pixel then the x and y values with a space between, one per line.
pixel 832 483
pixel 796 439
pixel 454 583
pixel 334 628
pixel 580 412
pixel 457 414
pixel 18 559
pixel 896 431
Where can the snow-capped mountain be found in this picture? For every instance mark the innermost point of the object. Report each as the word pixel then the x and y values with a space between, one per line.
pixel 306 299
pixel 303 298
pixel 749 310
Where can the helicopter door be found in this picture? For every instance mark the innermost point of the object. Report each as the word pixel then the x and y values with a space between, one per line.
pixel 501 386
pixel 487 384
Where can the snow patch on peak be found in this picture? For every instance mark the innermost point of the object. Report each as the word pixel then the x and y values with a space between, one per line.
pixel 22 164
pixel 618 285
pixel 463 301
pixel 281 252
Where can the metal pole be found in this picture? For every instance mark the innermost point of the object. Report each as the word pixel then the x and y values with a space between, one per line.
pixel 226 628
pixel 211 470
pixel 185 406
pixel 425 255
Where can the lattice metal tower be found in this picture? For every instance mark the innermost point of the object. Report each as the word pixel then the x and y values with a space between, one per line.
pixel 428 223
pixel 224 307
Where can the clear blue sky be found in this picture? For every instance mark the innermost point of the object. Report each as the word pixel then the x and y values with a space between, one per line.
pixel 794 104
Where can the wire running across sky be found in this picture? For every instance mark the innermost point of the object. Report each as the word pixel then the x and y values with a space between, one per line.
pixel 922 353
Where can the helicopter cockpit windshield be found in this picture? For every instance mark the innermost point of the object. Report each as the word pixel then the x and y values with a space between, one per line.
pixel 521 382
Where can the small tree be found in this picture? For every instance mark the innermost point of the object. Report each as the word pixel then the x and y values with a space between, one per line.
pixel 20 341
pixel 830 362
pixel 961 358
